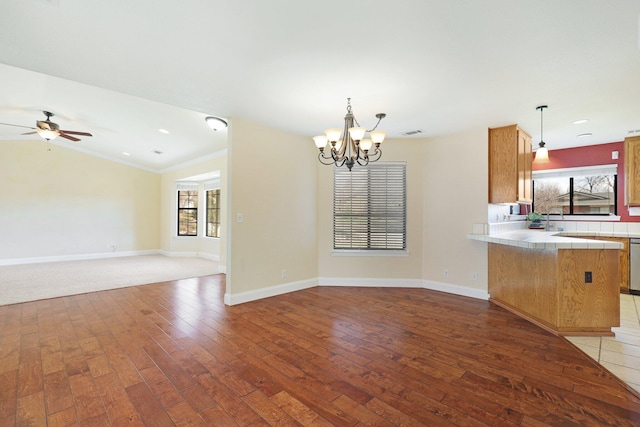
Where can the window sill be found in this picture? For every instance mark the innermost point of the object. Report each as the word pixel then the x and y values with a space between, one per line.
pixel 593 218
pixel 194 237
pixel 368 253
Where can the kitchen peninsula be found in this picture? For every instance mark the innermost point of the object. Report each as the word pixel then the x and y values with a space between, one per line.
pixel 566 285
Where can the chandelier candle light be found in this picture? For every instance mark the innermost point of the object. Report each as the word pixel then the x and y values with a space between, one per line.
pixel 352 148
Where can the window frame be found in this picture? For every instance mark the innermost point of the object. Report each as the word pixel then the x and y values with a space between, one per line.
pixel 187 209
pixel 371 213
pixel 208 210
pixel 577 172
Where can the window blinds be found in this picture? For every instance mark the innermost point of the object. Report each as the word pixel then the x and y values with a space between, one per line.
pixel 369 207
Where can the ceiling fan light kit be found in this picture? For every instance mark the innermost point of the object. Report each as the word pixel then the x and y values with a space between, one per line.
pixel 49 130
pixel 46 128
pixel 49 135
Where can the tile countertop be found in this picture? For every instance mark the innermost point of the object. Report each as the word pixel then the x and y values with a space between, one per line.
pixel 541 239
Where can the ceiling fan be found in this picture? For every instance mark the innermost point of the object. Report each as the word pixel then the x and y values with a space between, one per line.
pixel 50 130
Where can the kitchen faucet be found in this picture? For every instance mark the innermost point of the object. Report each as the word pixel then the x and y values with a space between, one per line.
pixel 549 211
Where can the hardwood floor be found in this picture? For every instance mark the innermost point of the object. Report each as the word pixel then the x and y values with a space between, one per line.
pixel 173 354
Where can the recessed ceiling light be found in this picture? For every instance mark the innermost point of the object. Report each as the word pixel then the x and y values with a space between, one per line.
pixel 582 135
pixel 163 131
pixel 581 121
pixel 126 154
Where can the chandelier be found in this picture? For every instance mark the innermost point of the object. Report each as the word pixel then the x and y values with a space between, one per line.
pixel 352 148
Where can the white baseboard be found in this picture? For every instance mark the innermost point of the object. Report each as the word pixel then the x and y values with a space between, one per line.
pixel 233 299
pixel 449 288
pixel 405 283
pixel 271 291
pixel 370 283
pixel 100 255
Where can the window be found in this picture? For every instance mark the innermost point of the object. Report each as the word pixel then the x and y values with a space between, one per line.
pixel 369 207
pixel 187 212
pixel 213 213
pixel 577 191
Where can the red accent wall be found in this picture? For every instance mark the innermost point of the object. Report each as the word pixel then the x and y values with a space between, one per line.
pixel 592 155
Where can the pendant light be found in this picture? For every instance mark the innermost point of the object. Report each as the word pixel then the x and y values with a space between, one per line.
pixel 542 153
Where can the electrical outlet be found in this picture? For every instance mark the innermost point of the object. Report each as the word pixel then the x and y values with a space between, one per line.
pixel 445 272
pixel 588 277
pixel 112 246
pixel 284 273
pixel 474 276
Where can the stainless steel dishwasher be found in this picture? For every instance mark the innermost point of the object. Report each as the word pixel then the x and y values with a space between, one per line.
pixel 634 266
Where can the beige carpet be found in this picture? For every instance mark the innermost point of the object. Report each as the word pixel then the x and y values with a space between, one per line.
pixel 30 282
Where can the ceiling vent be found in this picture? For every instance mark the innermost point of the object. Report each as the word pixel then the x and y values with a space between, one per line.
pixel 412 132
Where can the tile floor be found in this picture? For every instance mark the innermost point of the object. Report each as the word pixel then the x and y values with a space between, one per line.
pixel 619 354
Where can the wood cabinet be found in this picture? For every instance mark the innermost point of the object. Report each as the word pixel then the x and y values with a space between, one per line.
pixel 510 164
pixel 632 170
pixel 548 287
pixel 623 255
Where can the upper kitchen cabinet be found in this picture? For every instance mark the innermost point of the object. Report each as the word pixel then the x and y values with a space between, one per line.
pixel 510 165
pixel 632 170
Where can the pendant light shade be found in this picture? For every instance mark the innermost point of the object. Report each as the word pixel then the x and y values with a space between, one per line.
pixel 542 153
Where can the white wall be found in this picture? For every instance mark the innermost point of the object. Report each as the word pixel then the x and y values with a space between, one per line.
pixel 455 197
pixel 272 183
pixel 61 203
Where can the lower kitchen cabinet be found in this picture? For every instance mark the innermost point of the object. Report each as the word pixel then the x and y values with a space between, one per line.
pixel 624 261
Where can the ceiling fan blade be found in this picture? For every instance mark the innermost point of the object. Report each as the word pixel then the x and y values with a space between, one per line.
pixel 19 126
pixel 73 132
pixel 28 133
pixel 69 137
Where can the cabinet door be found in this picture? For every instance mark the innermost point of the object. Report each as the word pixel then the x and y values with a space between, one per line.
pixel 503 164
pixel 525 164
pixel 632 170
pixel 624 265
pixel 624 258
